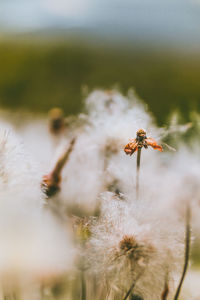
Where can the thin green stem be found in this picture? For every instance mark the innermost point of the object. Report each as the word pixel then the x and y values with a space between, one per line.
pixel 83 286
pixel 187 251
pixel 138 172
pixel 42 293
pixel 11 296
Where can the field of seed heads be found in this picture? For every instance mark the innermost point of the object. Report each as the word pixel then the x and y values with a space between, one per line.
pixel 103 205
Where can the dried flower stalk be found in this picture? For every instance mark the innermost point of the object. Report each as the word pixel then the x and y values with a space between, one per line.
pixel 166 288
pixel 132 286
pixel 187 250
pixel 51 182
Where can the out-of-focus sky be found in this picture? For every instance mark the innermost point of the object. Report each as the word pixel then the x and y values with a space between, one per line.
pixel 176 20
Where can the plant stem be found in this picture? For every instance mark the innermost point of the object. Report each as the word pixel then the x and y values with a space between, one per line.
pixel 63 159
pixel 138 172
pixel 83 286
pixel 187 251
pixel 133 285
pixel 166 290
pixel 129 291
pixel 11 296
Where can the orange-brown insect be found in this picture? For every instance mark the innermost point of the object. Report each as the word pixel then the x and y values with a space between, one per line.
pixel 140 141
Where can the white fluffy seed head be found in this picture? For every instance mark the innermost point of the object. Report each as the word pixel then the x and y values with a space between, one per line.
pixel 19 175
pixel 111 120
pixel 33 244
pixel 130 239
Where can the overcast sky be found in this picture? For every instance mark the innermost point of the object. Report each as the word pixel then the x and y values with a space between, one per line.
pixel 175 19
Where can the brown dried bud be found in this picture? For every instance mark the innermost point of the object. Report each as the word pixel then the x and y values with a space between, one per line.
pixel 56 121
pixel 135 251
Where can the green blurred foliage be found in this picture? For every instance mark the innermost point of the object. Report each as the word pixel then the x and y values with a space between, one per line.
pixel 42 75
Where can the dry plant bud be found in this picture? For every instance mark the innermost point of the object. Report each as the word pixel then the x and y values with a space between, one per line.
pixel 56 121
pixel 51 182
pixel 133 250
pixel 127 244
pixel 141 141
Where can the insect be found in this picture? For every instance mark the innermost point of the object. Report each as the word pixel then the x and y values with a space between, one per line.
pixel 141 141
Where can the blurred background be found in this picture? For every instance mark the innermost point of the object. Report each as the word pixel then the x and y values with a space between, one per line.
pixel 52 52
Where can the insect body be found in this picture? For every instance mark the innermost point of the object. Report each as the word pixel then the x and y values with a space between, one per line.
pixel 141 141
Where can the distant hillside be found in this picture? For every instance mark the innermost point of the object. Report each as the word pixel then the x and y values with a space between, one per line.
pixel 37 76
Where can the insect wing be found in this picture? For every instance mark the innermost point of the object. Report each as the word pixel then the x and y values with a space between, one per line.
pixel 131 147
pixel 151 142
